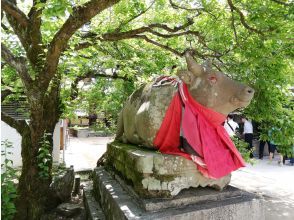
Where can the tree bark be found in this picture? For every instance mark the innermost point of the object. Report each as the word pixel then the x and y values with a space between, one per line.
pixel 33 190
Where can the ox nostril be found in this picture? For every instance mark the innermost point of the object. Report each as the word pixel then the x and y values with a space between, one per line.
pixel 250 90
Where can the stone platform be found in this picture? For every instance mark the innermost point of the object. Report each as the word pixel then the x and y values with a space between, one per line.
pixel 153 174
pixel 119 201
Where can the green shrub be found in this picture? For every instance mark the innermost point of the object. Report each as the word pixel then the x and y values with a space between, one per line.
pixel 8 186
pixel 44 157
pixel 242 147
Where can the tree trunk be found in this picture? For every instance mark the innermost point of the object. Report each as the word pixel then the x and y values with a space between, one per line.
pixel 33 190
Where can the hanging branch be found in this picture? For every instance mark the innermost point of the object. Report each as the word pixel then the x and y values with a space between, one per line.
pixel 242 18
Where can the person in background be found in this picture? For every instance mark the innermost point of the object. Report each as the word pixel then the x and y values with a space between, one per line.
pixel 262 142
pixel 261 148
pixel 273 148
pixel 248 133
pixel 231 126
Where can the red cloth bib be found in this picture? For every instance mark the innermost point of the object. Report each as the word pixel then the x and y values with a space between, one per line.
pixel 204 132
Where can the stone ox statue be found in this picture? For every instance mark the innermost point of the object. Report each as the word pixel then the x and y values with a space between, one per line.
pixel 144 111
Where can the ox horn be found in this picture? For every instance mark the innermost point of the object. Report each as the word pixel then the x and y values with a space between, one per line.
pixel 195 68
pixel 207 65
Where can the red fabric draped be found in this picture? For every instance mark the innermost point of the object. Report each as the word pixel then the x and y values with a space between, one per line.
pixel 202 128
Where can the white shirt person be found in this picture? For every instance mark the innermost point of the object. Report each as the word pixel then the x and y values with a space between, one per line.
pixel 248 128
pixel 231 126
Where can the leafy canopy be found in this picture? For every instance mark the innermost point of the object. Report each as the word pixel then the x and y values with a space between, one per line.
pixel 249 40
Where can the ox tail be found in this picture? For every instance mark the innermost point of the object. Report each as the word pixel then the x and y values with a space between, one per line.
pixel 120 127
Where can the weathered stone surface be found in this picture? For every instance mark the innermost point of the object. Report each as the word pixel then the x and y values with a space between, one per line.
pixel 69 209
pixel 200 204
pixel 62 184
pixel 153 174
pixel 93 209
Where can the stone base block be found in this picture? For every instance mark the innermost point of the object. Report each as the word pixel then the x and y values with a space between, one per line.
pixel 119 202
pixel 153 174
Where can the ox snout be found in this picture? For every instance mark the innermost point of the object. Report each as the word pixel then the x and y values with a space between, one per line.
pixel 243 98
pixel 247 94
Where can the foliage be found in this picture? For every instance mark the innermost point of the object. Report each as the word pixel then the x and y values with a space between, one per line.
pixel 8 186
pixel 106 130
pixel 44 157
pixel 242 147
pixel 57 169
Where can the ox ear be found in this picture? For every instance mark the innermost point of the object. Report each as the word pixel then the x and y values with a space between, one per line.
pixel 186 76
pixel 194 67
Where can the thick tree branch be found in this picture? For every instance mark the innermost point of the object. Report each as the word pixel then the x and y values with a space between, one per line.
pixel 29 33
pixel 17 20
pixel 18 125
pixel 81 15
pixel 242 18
pixel 116 35
pixel 18 63
pixel 34 37
pixel 15 12
pixel 139 33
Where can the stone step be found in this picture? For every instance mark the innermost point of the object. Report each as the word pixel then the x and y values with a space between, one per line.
pixel 93 209
pixel 118 202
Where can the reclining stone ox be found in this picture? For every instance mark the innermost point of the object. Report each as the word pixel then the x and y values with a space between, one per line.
pixel 141 119
pixel 144 111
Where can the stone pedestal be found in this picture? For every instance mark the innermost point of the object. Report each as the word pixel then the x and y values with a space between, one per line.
pixel 153 174
pixel 119 201
pixel 143 184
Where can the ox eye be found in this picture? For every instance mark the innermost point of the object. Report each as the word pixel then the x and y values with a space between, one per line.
pixel 212 79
